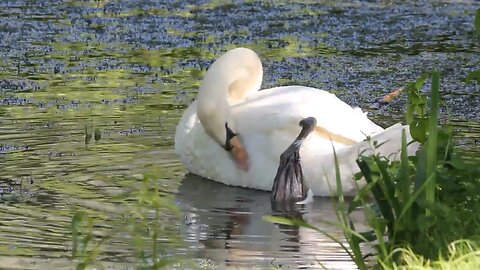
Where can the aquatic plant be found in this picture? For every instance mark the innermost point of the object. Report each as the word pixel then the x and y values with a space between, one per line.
pixel 141 222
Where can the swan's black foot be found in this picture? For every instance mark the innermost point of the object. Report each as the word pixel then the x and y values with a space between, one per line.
pixel 288 185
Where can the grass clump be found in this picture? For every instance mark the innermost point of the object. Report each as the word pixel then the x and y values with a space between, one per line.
pixel 461 255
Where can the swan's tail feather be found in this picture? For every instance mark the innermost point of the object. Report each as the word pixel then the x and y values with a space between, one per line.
pixel 387 143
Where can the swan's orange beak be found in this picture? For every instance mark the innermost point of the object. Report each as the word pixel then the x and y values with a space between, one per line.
pixel 239 153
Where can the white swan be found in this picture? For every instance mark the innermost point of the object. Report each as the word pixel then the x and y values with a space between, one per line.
pixel 234 134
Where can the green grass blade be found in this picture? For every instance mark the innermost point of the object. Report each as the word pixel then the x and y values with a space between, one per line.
pixel 432 137
pixel 414 196
pixel 75 229
pixel 341 199
pixel 405 180
pixel 350 234
pixel 477 21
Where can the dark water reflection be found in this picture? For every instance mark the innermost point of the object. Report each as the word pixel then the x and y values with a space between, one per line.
pixel 226 224
pixel 91 91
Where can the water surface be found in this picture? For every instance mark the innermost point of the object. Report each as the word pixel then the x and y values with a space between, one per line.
pixel 91 91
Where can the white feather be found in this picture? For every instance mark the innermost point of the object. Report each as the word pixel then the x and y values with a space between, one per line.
pixel 268 122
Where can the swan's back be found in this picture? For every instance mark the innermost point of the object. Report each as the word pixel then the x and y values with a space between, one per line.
pixel 283 107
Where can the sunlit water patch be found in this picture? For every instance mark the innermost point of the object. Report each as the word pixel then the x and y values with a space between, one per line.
pixel 91 91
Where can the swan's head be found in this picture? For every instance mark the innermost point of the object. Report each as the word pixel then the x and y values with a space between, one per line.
pixel 219 124
pixel 229 80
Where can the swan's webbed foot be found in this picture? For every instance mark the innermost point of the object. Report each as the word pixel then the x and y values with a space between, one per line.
pixel 289 185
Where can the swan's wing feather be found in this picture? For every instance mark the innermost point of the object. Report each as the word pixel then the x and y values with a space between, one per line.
pixel 282 108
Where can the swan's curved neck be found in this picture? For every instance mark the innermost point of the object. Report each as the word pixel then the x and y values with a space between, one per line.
pixel 233 76
pixel 230 80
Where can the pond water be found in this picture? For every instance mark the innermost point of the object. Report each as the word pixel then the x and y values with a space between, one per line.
pixel 91 91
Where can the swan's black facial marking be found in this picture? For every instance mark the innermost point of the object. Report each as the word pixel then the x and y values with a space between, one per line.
pixel 230 134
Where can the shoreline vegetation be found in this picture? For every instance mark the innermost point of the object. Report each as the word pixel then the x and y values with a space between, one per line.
pixel 423 213
pixel 421 210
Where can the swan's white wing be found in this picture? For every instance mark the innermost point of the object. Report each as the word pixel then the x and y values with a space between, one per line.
pixel 282 108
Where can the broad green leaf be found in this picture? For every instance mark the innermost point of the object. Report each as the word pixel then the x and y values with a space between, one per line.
pixel 421 81
pixel 418 129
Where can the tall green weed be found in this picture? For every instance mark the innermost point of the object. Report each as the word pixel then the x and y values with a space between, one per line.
pixel 141 222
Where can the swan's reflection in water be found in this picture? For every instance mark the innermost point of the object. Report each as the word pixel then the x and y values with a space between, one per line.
pixel 224 224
